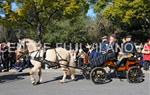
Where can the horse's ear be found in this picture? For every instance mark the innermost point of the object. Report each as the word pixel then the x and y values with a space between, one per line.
pixel 19 40
pixel 88 46
pixel 80 50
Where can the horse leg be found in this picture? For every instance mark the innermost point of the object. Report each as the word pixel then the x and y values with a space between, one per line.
pixel 72 72
pixel 72 64
pixel 36 68
pixel 64 75
pixel 32 75
pixel 72 76
pixel 40 75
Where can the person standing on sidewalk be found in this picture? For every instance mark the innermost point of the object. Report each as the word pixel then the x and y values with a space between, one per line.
pixel 5 57
pixel 0 58
pixel 146 54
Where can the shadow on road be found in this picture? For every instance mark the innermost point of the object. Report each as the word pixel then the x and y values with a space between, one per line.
pixel 12 77
pixel 78 77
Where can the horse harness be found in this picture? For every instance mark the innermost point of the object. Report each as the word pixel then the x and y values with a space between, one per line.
pixel 50 64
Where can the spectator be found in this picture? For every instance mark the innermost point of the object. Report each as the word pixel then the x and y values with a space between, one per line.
pixel 5 57
pixel 12 54
pixel 0 57
pixel 146 55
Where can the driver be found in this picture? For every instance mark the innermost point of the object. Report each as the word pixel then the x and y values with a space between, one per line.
pixel 128 50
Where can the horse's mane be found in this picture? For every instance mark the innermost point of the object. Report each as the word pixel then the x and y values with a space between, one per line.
pixel 29 40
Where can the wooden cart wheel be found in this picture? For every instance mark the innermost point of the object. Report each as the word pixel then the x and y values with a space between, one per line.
pixel 135 75
pixel 98 75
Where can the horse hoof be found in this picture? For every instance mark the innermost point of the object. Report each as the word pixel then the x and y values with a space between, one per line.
pixel 75 79
pixel 62 81
pixel 34 83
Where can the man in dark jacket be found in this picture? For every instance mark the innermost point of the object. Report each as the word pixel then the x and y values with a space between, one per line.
pixel 128 46
pixel 103 45
pixel 5 57
pixel 128 50
pixel 112 48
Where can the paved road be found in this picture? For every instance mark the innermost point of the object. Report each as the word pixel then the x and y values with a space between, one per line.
pixel 19 84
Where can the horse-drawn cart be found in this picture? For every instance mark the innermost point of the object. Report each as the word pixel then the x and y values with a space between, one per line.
pixel 100 70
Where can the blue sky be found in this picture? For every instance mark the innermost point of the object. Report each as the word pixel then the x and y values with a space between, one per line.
pixel 14 6
pixel 90 12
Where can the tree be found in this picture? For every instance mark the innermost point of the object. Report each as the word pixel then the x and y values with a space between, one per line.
pixel 68 31
pixel 100 27
pixel 127 14
pixel 38 15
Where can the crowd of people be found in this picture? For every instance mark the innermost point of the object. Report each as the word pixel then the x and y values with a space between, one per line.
pixel 4 64
pixel 9 59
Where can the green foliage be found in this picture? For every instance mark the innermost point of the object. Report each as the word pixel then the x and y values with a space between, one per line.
pixel 100 5
pixel 46 20
pixel 100 27
pixel 68 30
pixel 127 14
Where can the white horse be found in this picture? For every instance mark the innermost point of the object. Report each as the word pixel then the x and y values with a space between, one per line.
pixel 56 56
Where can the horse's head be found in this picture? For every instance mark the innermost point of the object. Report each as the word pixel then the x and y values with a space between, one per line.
pixel 22 44
pixel 28 44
